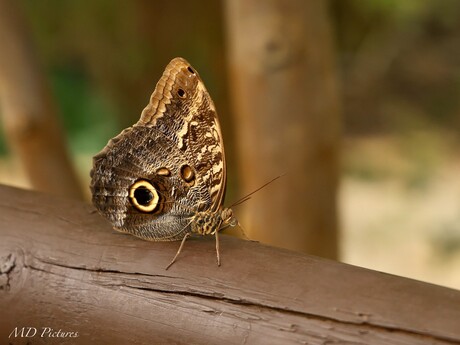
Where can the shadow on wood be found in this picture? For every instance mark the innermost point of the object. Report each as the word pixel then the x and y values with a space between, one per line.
pixel 61 266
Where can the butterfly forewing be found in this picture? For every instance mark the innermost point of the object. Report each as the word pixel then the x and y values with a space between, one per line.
pixel 182 109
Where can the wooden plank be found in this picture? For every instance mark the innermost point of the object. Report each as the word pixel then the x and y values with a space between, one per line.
pixel 63 267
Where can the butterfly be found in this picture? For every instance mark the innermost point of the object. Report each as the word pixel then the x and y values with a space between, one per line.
pixel 164 178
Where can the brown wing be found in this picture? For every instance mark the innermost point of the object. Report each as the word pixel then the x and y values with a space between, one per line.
pixel 182 109
pixel 142 154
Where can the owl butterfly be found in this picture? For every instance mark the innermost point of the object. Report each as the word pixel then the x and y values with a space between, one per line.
pixel 164 178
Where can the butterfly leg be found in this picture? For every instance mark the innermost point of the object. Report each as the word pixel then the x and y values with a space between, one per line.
pixel 179 250
pixel 217 248
pixel 240 227
pixel 244 233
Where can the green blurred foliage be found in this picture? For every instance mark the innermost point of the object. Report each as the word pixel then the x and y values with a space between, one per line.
pixel 88 115
pixel 398 59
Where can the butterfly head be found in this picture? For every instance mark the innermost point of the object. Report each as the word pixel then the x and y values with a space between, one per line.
pixel 228 218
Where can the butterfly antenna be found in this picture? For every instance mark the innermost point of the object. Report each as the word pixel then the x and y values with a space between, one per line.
pixel 181 245
pixel 248 196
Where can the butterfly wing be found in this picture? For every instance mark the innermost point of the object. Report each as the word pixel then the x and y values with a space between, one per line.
pixel 182 109
pixel 153 177
pixel 142 154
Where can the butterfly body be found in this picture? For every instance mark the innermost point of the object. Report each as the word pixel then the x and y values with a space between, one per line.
pixel 164 177
pixel 207 223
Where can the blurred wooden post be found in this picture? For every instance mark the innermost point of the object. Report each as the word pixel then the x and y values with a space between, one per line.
pixel 285 101
pixel 28 112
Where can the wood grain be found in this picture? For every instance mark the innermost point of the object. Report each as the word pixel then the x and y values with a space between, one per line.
pixel 62 266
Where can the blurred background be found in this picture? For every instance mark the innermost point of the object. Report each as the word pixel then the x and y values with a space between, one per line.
pixel 355 101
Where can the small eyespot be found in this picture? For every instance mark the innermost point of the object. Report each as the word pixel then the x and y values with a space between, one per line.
pixel 144 196
pixel 187 174
pixel 181 93
pixel 190 69
pixel 163 172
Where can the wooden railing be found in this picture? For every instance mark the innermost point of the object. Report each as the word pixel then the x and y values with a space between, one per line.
pixel 63 268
